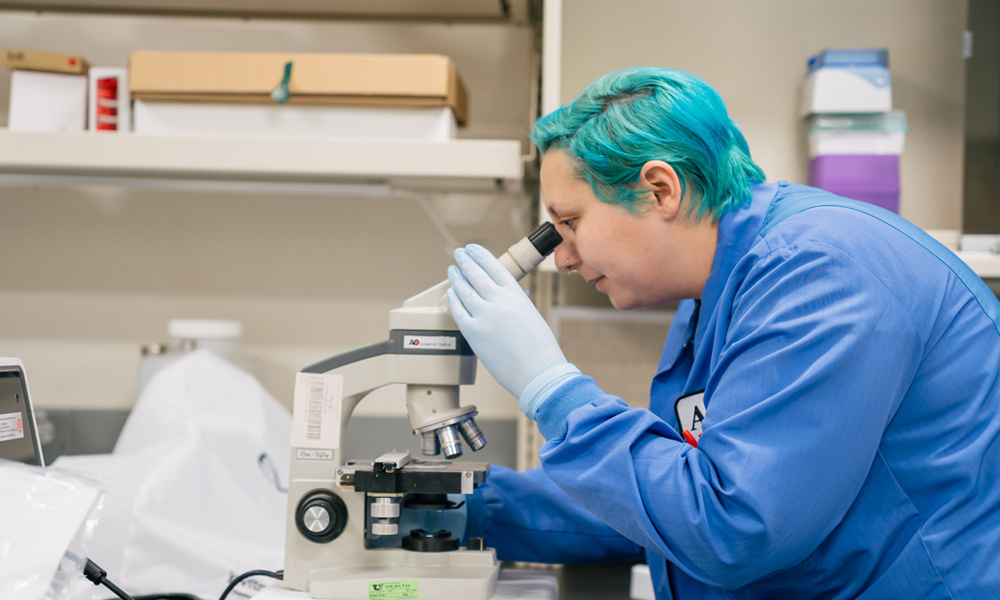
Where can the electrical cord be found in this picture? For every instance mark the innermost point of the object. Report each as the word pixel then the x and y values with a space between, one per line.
pixel 99 576
pixel 280 575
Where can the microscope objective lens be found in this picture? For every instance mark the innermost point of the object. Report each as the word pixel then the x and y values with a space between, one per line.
pixel 472 434
pixel 451 443
pixel 429 444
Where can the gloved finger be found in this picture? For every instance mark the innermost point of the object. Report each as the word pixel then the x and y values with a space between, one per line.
pixel 470 298
pixel 497 272
pixel 475 275
pixel 458 311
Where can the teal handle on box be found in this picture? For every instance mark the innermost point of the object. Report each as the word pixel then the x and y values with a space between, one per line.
pixel 281 94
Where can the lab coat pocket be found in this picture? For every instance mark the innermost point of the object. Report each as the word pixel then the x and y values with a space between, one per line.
pixel 874 552
pixel 912 572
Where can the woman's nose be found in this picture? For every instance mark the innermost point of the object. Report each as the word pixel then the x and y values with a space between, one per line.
pixel 565 257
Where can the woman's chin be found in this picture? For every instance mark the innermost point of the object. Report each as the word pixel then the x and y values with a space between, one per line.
pixel 621 303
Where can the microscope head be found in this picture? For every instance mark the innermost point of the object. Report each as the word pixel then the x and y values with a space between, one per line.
pixel 434 410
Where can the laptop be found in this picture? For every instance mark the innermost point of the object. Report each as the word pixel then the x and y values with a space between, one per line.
pixel 18 431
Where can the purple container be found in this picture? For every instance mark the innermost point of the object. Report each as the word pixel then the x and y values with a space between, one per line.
pixel 872 178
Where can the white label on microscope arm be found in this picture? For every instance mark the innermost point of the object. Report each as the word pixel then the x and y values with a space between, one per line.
pixel 429 342
pixel 313 454
pixel 316 410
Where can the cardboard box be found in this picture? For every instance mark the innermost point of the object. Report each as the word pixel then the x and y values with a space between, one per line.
pixel 428 124
pixel 329 79
pixel 31 60
pixel 47 101
pixel 108 100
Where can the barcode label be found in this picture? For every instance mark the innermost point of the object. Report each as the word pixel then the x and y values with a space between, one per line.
pixel 314 421
pixel 316 411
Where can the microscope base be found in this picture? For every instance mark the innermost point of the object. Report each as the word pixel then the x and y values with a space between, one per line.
pixel 471 575
pixel 511 585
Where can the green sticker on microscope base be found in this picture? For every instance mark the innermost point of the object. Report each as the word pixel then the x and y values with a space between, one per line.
pixel 393 590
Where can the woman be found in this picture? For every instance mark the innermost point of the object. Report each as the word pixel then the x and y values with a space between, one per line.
pixel 845 366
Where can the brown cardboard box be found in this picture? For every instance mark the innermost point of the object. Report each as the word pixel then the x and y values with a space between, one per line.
pixel 31 60
pixel 331 79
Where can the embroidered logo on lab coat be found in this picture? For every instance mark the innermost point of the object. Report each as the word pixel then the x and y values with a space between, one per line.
pixel 690 411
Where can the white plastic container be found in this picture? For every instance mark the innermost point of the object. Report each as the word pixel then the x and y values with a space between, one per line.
pixel 847 81
pixel 862 134
pixel 429 124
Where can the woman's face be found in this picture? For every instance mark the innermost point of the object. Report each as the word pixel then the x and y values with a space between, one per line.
pixel 640 260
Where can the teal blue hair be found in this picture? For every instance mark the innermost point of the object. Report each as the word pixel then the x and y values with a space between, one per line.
pixel 632 116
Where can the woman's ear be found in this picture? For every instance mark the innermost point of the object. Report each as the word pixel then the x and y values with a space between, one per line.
pixel 662 180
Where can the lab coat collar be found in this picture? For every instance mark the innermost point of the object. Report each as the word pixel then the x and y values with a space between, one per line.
pixel 738 230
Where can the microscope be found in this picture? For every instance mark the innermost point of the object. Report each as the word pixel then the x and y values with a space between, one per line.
pixel 373 529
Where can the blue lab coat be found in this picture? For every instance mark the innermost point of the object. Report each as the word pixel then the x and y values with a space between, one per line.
pixel 851 372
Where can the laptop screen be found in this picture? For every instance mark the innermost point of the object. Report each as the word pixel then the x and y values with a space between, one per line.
pixel 18 438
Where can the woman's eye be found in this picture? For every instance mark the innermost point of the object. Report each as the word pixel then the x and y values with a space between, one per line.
pixel 568 222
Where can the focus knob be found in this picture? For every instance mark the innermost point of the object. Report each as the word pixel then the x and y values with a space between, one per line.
pixel 321 516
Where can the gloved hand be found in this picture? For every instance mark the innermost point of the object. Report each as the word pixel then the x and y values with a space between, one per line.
pixel 505 330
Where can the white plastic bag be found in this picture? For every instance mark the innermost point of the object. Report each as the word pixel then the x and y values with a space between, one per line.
pixel 197 482
pixel 47 517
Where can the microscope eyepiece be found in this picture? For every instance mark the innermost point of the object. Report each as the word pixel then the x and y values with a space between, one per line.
pixel 545 238
pixel 531 250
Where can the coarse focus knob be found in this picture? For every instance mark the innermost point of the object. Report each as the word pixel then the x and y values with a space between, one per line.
pixel 321 516
pixel 316 519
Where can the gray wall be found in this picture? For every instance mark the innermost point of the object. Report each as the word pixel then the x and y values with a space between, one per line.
pixel 754 53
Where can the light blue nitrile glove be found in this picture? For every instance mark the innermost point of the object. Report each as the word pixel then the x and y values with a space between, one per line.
pixel 505 330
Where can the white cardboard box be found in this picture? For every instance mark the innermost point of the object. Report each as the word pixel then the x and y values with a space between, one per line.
pixel 47 101
pixel 429 124
pixel 114 98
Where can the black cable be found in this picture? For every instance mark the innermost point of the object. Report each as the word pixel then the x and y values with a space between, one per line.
pixel 99 576
pixel 248 574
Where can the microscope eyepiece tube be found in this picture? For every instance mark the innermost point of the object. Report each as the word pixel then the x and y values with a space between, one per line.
pixel 521 258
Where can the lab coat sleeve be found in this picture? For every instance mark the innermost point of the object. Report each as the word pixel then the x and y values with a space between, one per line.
pixel 526 517
pixel 817 356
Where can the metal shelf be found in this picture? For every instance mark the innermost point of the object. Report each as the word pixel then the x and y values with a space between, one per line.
pixel 207 162
pixel 428 10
